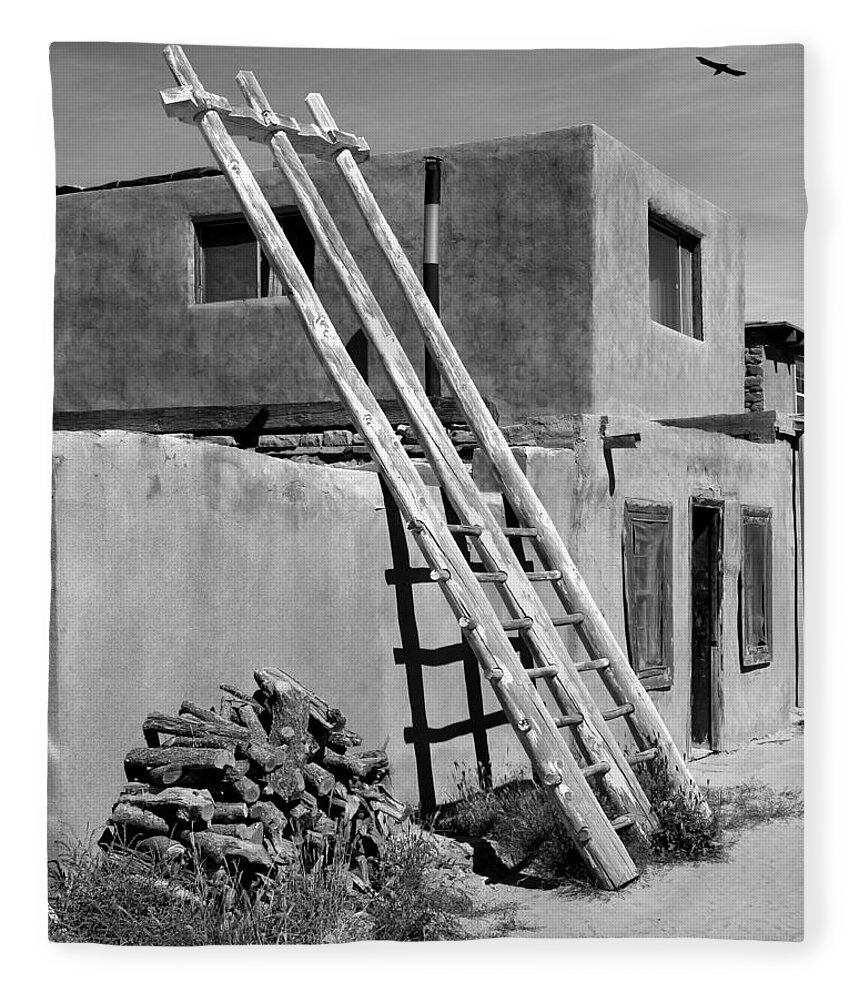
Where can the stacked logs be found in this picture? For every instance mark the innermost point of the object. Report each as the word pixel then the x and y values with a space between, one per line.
pixel 272 778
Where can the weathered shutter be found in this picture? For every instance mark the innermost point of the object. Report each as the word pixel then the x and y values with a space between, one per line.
pixel 647 566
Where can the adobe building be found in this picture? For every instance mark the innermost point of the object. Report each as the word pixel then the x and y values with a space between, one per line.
pixel 597 303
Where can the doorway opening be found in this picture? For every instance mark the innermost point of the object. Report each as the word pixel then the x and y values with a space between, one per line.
pixel 706 597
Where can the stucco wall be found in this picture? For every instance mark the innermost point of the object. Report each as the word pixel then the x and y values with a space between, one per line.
pixel 642 367
pixel 672 465
pixel 515 283
pixel 178 566
pixel 544 287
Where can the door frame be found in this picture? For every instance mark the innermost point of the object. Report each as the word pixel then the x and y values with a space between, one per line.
pixel 717 650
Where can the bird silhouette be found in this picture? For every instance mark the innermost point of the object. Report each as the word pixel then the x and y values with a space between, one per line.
pixel 721 67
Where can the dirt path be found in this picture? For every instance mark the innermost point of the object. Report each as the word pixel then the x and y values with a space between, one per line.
pixel 756 893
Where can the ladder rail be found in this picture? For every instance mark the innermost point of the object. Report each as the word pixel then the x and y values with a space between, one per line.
pixel 569 691
pixel 550 756
pixel 645 722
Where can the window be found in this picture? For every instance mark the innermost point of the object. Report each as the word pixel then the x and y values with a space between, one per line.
pixel 756 571
pixel 647 567
pixel 674 277
pixel 798 384
pixel 229 263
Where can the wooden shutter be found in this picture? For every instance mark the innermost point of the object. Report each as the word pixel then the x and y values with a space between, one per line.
pixel 647 568
pixel 756 583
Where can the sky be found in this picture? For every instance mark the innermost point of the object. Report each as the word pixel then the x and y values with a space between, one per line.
pixel 737 141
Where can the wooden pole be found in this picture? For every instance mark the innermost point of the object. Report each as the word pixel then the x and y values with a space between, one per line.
pixel 432 201
pixel 550 757
pixel 646 724
pixel 594 735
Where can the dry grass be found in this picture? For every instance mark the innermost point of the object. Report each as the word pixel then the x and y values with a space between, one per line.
pixel 117 897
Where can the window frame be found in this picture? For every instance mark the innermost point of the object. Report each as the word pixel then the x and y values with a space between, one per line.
pixel 760 655
pixel 653 678
pixel 692 243
pixel 799 385
pixel 264 271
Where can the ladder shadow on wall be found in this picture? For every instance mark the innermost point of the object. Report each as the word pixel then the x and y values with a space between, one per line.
pixel 404 577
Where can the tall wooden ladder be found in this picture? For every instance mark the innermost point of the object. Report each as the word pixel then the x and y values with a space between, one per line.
pixel 564 767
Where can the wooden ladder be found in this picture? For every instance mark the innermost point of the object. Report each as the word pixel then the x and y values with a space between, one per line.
pixel 565 770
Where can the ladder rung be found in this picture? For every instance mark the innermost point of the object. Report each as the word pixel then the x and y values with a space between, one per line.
pixel 620 822
pixel 600 664
pixel 616 713
pixel 594 769
pixel 483 577
pixel 515 624
pixel 641 756
pixel 544 574
pixel 573 619
pixel 465 529
pixel 537 672
pixel 520 532
pixel 568 720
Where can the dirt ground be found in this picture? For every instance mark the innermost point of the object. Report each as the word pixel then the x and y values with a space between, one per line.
pixel 755 893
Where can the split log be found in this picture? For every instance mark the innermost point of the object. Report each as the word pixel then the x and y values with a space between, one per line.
pixel 173 725
pixel 287 783
pixel 167 774
pixel 204 714
pixel 201 742
pixel 241 789
pixel 252 832
pixel 282 691
pixel 161 847
pixel 251 719
pixel 271 816
pixel 142 759
pixel 216 848
pixel 230 812
pixel 186 805
pixel 266 757
pixel 343 740
pixel 130 817
pixel 318 780
pixel 332 715
pixel 289 706
pixel 355 765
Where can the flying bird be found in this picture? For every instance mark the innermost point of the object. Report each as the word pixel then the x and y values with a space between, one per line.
pixel 720 67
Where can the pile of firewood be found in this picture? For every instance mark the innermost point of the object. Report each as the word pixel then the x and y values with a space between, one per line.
pixel 272 778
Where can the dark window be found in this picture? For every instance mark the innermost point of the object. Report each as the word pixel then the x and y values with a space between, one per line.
pixel 230 264
pixel 799 394
pixel 756 572
pixel 674 277
pixel 647 565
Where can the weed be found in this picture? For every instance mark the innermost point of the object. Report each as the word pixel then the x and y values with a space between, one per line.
pixel 409 903
pixel 751 803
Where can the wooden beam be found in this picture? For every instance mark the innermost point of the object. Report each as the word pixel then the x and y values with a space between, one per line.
pixel 269 418
pixel 761 426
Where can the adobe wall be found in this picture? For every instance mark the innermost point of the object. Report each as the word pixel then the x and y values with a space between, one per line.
pixel 671 465
pixel 641 367
pixel 516 292
pixel 179 565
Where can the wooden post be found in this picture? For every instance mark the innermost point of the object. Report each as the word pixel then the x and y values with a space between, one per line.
pixel 647 726
pixel 543 640
pixel 550 757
